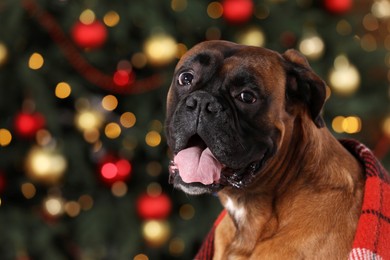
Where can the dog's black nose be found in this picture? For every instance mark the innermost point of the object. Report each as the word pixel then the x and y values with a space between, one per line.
pixel 204 102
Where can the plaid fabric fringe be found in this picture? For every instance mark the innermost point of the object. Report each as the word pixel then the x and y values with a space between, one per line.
pixel 372 239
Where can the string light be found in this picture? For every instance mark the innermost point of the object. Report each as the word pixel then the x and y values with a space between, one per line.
pixel 215 10
pixel 381 9
pixel 86 202
pixel 178 5
pixel 5 137
pixel 252 36
pixel 176 246
pixel 386 127
pixel 141 257
pixel 368 42
pixel 45 165
pixel 63 90
pixel 54 205
pixel 109 102
pixel 160 49
pixel 28 190
pixel 128 119
pixel 349 125
pixel 72 208
pixel 35 61
pixel 87 120
pixel 154 168
pixel 153 138
pixel 312 46
pixel 111 19
pixel 87 16
pixel 213 33
pixel 156 232
pixel 119 189
pixel 187 212
pixel 112 130
pixel 3 53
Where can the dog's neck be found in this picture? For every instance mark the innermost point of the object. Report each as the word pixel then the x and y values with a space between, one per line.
pixel 255 216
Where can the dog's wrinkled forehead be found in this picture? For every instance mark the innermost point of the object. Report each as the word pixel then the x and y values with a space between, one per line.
pixel 234 60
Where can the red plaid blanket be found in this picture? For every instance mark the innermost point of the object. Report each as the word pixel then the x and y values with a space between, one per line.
pixel 372 239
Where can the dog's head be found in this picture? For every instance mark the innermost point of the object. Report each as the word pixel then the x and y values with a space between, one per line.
pixel 228 108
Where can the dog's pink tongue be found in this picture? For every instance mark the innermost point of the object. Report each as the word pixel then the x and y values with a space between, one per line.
pixel 197 165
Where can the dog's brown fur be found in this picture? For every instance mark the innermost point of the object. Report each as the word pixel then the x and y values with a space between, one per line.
pixel 308 205
pixel 304 203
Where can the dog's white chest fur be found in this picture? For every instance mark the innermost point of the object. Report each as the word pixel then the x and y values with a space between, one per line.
pixel 237 211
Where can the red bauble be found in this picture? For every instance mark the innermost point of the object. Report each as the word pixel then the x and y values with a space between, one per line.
pixel 338 6
pixel 27 124
pixel 91 35
pixel 154 207
pixel 237 11
pixel 114 169
pixel 2 182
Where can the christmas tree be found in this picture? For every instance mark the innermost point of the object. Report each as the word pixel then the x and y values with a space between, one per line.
pixel 83 159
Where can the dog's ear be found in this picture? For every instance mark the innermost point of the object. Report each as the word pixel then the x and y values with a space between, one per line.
pixel 305 85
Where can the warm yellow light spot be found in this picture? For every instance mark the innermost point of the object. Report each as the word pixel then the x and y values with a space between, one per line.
pixel 141 257
pixel 87 16
pixel 28 190
pixel 43 137
pixel 176 247
pixel 343 27
pixel 72 208
pixel 3 54
pixel 86 202
pixel 386 127
pixel 154 168
pixel 312 46
pixel 160 49
pixel 54 206
pixel 63 90
pixel 178 5
pixel 112 130
pixel 181 50
pixel 139 60
pixel 88 120
pixel 156 232
pixel 5 137
pixel 91 136
pixel 154 189
pixel 119 189
pixel 215 10
pixel 111 19
pixel 36 61
pixel 128 119
pixel 187 212
pixel 352 125
pixel 344 78
pixel 156 125
pixel 109 102
pixel 337 124
pixel 349 125
pixel 153 138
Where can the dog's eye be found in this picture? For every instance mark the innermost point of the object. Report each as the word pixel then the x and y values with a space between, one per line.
pixel 185 78
pixel 246 97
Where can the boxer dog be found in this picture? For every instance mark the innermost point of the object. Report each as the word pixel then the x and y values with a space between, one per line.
pixel 245 122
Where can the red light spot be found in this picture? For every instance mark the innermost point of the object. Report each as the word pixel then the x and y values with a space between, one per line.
pixel 109 171
pixel 124 168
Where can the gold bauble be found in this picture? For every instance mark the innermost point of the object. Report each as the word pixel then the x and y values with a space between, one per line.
pixel 253 36
pixel 160 49
pixel 156 232
pixel 344 77
pixel 45 165
pixel 312 46
pixel 3 54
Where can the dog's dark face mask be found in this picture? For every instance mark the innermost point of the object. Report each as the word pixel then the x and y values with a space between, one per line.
pixel 225 116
